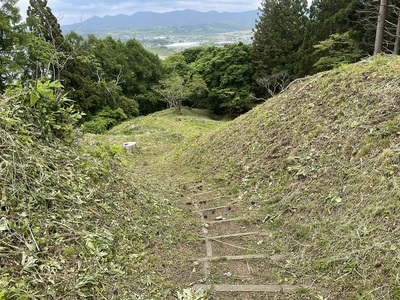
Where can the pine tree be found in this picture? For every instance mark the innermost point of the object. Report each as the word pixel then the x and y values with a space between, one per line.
pixel 278 36
pixel 10 38
pixel 328 19
pixel 42 23
pixel 49 50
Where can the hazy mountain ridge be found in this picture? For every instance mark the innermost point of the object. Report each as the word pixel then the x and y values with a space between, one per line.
pixel 237 21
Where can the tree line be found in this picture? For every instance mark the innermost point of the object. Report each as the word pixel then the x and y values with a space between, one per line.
pixel 111 80
pixel 304 40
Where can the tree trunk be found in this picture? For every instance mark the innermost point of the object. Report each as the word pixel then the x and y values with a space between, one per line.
pixel 380 29
pixel 397 43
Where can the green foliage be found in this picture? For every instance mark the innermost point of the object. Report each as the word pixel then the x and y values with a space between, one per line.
pixel 198 89
pixel 134 68
pixel 278 36
pixel 10 42
pixel 98 125
pixel 192 87
pixel 43 24
pixel 44 27
pixel 176 64
pixel 118 114
pixel 48 112
pixel 336 50
pixel 104 120
pixel 110 73
pixel 173 91
pixel 228 74
pixel 192 54
pixel 149 102
pixel 219 79
pixel 330 19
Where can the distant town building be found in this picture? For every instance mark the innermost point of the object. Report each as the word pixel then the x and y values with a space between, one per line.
pixel 182 46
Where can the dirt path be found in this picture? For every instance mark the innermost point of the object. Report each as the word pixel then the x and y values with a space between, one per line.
pixel 236 260
pixel 233 259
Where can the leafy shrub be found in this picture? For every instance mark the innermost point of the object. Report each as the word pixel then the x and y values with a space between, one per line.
pixel 104 121
pixel 98 125
pixel 49 113
pixel 116 114
pixel 149 103
pixel 129 106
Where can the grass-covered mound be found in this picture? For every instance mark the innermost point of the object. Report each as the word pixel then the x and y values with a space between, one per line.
pixel 320 163
pixel 159 133
pixel 75 223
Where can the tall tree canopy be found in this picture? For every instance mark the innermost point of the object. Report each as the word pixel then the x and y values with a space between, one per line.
pixel 228 74
pixel 42 23
pixel 127 64
pixel 49 52
pixel 332 36
pixel 10 40
pixel 278 36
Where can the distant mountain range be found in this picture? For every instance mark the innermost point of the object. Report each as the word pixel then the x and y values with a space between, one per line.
pixel 180 18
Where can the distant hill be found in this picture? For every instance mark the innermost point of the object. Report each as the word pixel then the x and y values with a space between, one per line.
pixel 182 18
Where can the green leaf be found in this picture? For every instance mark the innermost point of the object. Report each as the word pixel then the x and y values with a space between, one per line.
pixel 4 225
pixel 34 97
pixel 55 84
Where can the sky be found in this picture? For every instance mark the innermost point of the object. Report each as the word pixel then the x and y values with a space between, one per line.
pixel 75 11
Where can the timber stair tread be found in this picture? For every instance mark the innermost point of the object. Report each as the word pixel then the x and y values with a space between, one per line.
pixel 228 220
pixel 234 235
pixel 240 257
pixel 227 271
pixel 246 288
pixel 211 209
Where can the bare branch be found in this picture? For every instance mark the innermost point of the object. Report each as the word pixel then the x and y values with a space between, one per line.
pixel 275 82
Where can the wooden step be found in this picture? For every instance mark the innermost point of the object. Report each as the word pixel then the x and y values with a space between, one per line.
pixel 210 209
pixel 275 257
pixel 234 235
pixel 246 288
pixel 231 257
pixel 206 193
pixel 229 220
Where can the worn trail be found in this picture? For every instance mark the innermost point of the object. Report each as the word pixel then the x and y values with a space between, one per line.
pixel 236 260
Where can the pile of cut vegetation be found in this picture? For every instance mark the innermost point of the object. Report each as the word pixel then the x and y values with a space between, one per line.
pixel 74 223
pixel 320 165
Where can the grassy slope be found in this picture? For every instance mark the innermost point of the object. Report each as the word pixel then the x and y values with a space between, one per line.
pixel 317 166
pixel 321 164
pixel 82 221
pixel 159 133
pixel 164 251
